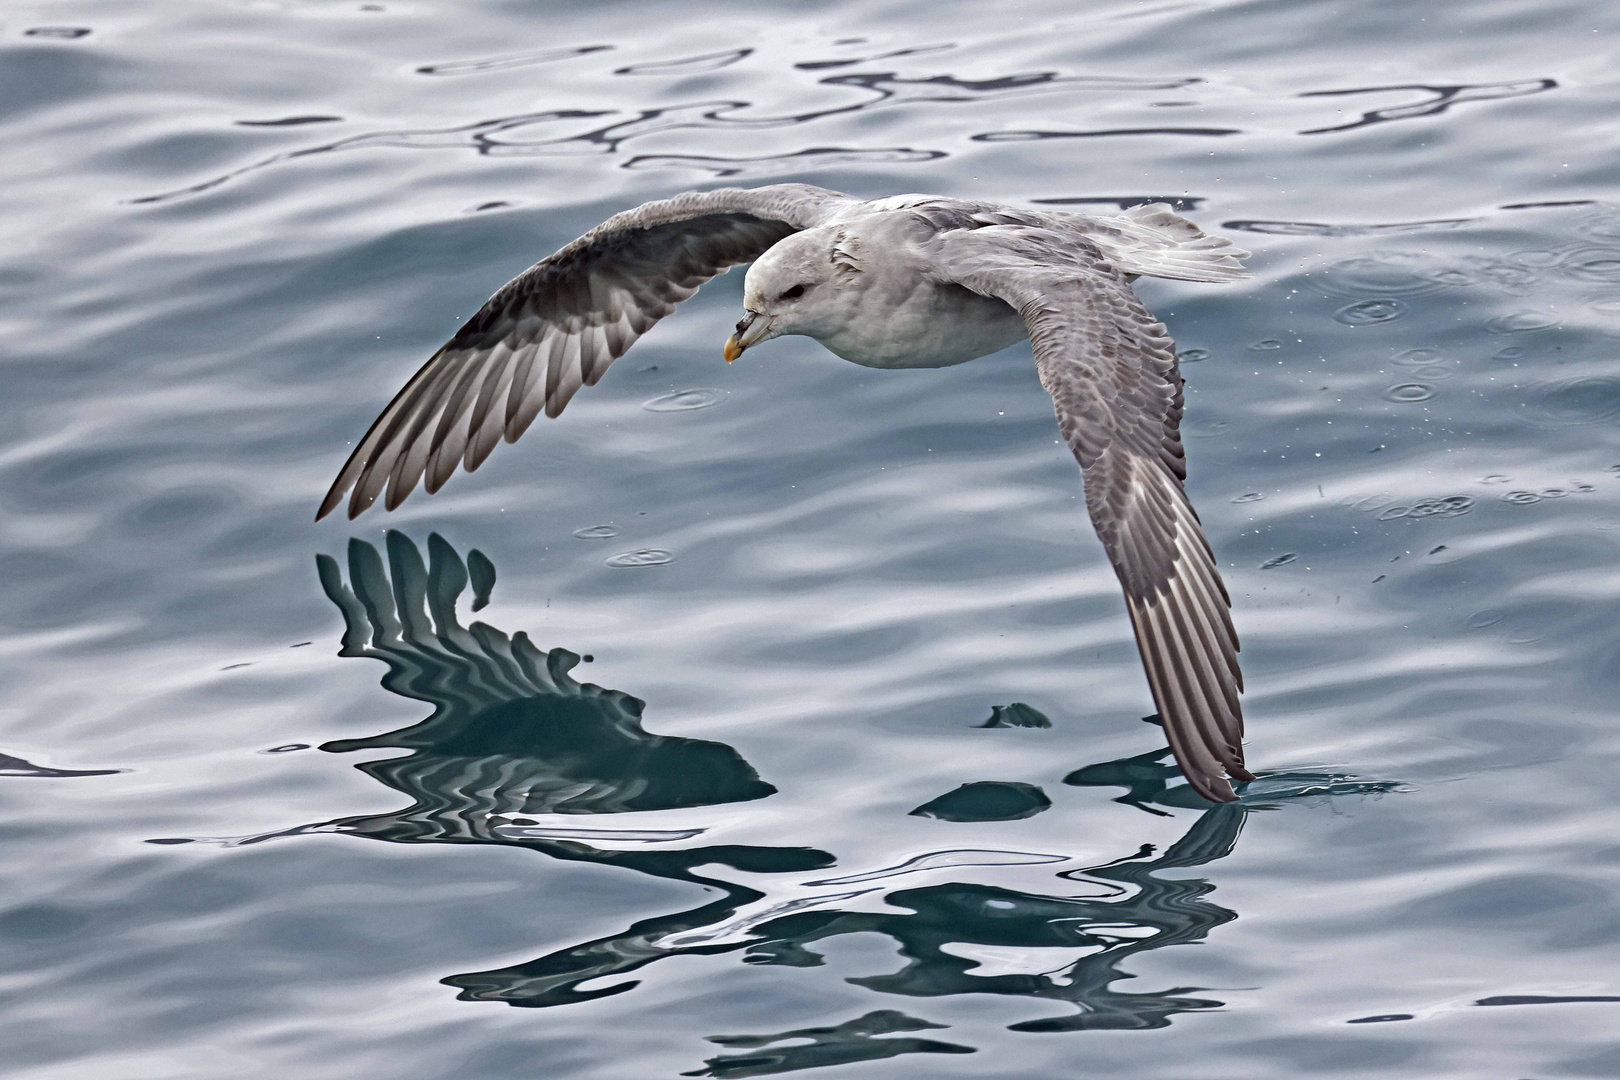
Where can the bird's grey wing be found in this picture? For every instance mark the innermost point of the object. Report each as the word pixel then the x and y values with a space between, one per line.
pixel 558 325
pixel 1111 370
pixel 1156 241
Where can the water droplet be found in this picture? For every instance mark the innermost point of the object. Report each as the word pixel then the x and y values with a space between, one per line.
pixel 1434 373
pixel 1367 312
pixel 685 400
pixel 1420 357
pixel 1512 352
pixel 287 749
pixel 60 33
pixel 1192 356
pixel 1267 345
pixel 1520 498
pixel 1494 478
pixel 1251 496
pixel 595 532
pixel 640 557
pixel 1409 393
pixel 1278 560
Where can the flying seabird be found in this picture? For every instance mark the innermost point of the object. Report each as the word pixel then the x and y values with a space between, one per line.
pixel 903 282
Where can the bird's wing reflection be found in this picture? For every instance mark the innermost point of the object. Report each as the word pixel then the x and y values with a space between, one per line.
pixel 514 741
pixel 511 732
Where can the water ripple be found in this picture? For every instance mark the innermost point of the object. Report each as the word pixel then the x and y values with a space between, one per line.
pixel 639 557
pixel 685 400
pixel 689 65
pixel 1409 393
pixel 1368 312
pixel 1447 506
pixel 506 63
pixel 1029 135
pixel 1313 228
pixel 1440 99
pixel 1586 399
pixel 771 164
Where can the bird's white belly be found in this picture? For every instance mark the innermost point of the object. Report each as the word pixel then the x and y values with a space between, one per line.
pixel 935 326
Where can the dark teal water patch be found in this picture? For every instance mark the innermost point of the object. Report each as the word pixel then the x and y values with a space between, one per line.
pixel 987 800
pixel 842 1044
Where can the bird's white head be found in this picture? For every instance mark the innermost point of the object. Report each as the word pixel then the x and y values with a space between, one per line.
pixel 802 285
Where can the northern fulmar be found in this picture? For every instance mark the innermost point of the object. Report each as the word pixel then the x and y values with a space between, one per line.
pixel 910 281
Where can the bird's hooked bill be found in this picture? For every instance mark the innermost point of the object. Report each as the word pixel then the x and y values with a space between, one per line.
pixel 751 330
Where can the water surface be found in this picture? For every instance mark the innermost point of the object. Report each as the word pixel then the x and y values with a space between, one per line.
pixel 798 727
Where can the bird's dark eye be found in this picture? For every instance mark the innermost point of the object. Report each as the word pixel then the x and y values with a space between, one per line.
pixel 793 293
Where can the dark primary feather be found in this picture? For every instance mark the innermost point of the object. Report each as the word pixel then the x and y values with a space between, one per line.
pixel 1111 370
pixel 557 327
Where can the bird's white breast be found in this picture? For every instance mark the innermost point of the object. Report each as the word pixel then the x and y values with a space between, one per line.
pixel 936 326
pixel 901 316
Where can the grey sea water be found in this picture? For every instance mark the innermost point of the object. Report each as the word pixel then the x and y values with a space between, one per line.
pixel 798 724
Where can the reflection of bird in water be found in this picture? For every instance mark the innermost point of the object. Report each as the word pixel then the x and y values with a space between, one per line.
pixel 511 732
pixel 906 282
pixel 511 735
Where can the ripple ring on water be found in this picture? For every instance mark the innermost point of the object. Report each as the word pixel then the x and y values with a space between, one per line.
pixel 1369 312
pixel 1409 393
pixel 639 557
pixel 1424 357
pixel 1520 322
pixel 1391 274
pixel 1585 399
pixel 595 532
pixel 685 400
pixel 1599 264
